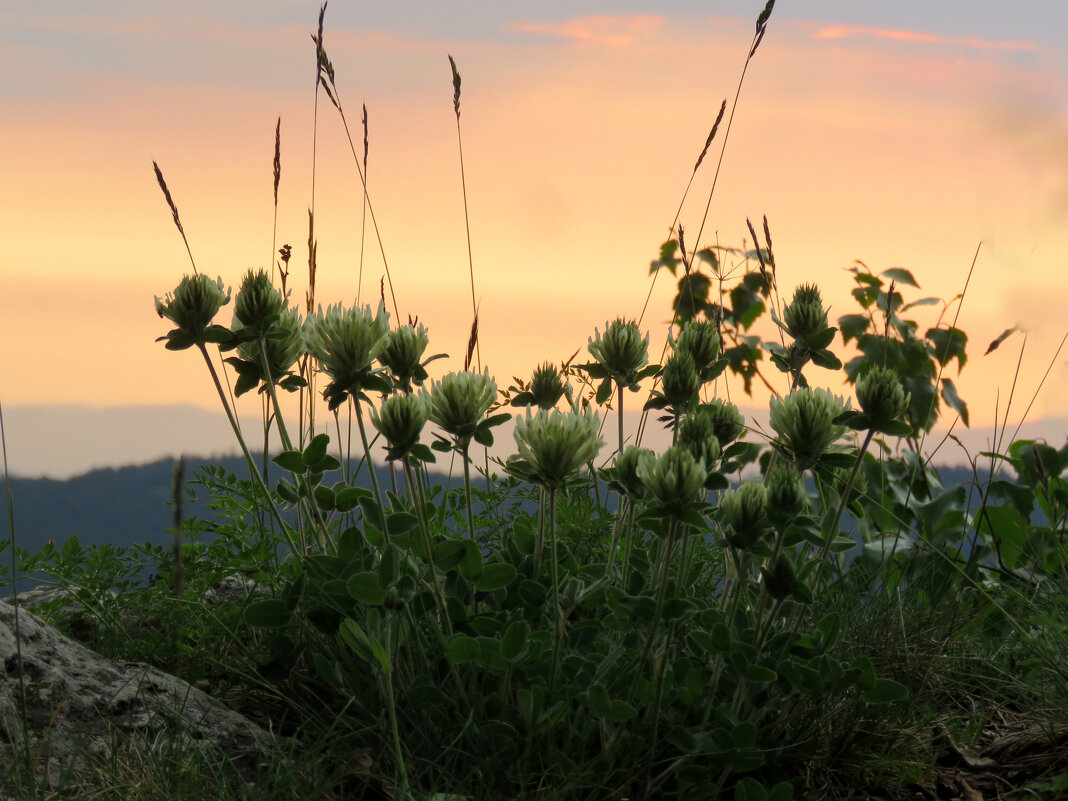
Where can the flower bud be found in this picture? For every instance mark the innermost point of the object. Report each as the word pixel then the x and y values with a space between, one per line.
pixel 345 340
pixel 401 352
pixel 697 434
pixel 546 386
pixel 804 424
pixel 258 303
pixel 805 316
pixel 674 480
pixel 787 497
pixel 459 401
pixel 679 382
pixel 401 420
pixel 727 421
pixel 555 445
pixel 621 351
pixel 881 396
pixel 282 352
pixel 194 303
pixel 701 340
pixel 626 470
pixel 745 511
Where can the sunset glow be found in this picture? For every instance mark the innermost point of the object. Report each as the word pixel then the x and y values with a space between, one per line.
pixel 912 144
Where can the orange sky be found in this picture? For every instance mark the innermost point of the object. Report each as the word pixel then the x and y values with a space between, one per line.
pixel 898 147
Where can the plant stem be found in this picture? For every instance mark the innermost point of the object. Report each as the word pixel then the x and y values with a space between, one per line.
pixel 371 470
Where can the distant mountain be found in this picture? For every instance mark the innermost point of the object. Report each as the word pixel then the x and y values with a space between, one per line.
pixel 67 441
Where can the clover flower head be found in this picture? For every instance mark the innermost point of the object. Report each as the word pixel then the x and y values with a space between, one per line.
pixel 674 480
pixel 401 352
pixel 700 339
pixel 727 421
pixel 401 419
pixel 626 467
pixel 805 315
pixel 679 380
pixel 281 351
pixel 547 386
pixel 460 400
pixel 881 396
pixel 804 424
pixel 193 304
pixel 787 497
pixel 697 434
pixel 555 444
pixel 622 351
pixel 258 303
pixel 345 340
pixel 745 511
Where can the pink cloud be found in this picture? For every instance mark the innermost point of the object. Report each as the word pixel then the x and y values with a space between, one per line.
pixel 608 31
pixel 916 37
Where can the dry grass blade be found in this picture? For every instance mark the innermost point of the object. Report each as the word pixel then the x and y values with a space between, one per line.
pixel 761 26
pixel 767 241
pixel 888 311
pixel 277 158
pixel 756 245
pixel 711 136
pixel 174 211
pixel 472 340
pixel 455 87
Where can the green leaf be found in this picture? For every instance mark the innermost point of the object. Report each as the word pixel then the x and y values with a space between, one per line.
pixel 948 344
pixel 347 499
pixel 286 491
pixel 900 275
pixel 952 399
pixel 597 697
pixel 316 449
pixel 603 391
pixel 758 674
pixel 449 554
pixel 402 522
pixel 471 566
pixel 356 638
pixel 620 712
pixel 496 576
pixel 749 789
pixel 324 498
pixel 533 594
pixel 366 588
pixel 825 359
pixel 462 648
pixel 293 461
pixel 372 512
pixel 271 613
pixel 884 691
pixel 827 630
pixel 514 640
pixel 1008 530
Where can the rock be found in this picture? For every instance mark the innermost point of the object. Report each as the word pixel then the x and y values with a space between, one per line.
pixel 80 704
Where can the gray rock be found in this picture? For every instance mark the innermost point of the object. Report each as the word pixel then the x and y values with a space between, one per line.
pixel 80 704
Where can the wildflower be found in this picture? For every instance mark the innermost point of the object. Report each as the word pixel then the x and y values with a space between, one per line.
pixel 679 381
pixel 459 401
pixel 727 421
pixel 805 316
pixel 697 434
pixel 555 445
pixel 546 387
pixel 745 511
pixel 401 351
pixel 701 341
pixel 780 579
pixel 345 342
pixel 881 396
pixel 401 420
pixel 804 423
pixel 191 307
pixel 281 349
pixel 258 304
pixel 626 476
pixel 675 480
pixel 622 351
pixel 787 497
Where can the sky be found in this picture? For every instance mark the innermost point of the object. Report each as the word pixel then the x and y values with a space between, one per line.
pixel 911 134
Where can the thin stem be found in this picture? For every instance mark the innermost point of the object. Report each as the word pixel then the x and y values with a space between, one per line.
pixel 371 470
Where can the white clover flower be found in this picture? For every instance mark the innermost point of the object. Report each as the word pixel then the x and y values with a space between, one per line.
pixel 555 445
pixel 459 401
pixel 401 420
pixel 804 423
pixel 345 340
pixel 674 480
